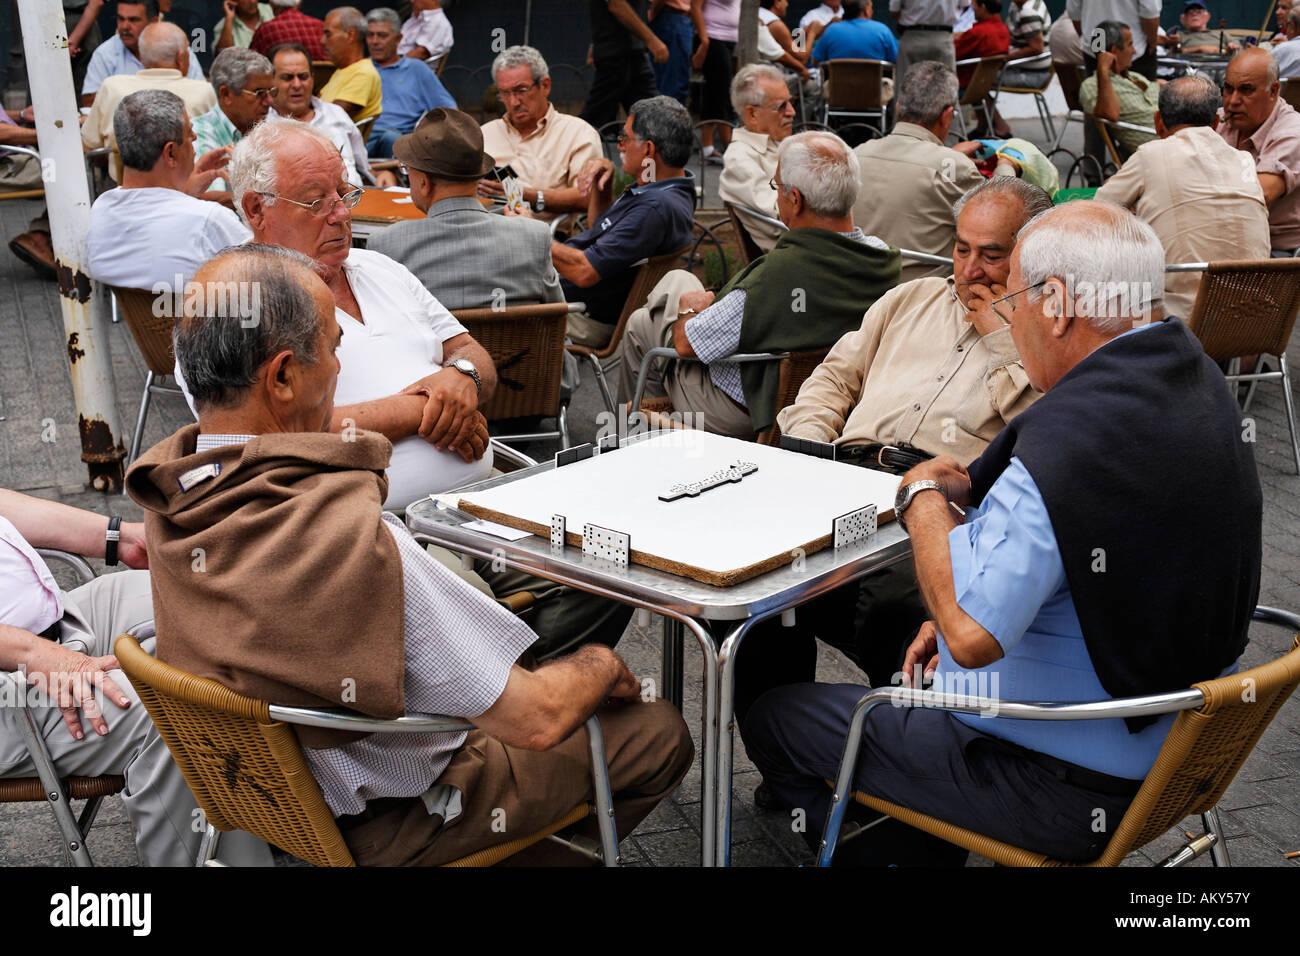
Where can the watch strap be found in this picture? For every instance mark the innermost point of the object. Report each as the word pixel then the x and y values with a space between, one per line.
pixel 910 491
pixel 111 537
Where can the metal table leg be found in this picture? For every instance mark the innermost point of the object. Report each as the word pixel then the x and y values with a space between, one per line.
pixel 674 640
pixel 726 704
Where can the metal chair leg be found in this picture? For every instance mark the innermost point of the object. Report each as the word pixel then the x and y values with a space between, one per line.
pixel 1290 410
pixel 1250 392
pixel 74 841
pixel 960 113
pixel 604 386
pixel 564 427
pixel 140 419
pixel 604 799
pixel 208 847
pixel 1214 826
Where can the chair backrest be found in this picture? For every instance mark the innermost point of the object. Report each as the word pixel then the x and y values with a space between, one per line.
pixel 983 79
pixel 853 84
pixel 1041 88
pixel 1103 128
pixel 365 126
pixel 247 771
pixel 793 372
pixel 152 333
pixel 321 71
pixel 1291 92
pixel 647 277
pixel 1244 308
pixel 526 343
pixel 1071 78
pixel 1204 750
pixel 749 249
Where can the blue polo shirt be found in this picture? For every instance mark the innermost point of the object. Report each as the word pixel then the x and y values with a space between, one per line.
pixel 645 221
pixel 859 39
pixel 410 88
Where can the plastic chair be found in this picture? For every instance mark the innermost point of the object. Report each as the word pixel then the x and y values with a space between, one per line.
pixel 1211 738
pixel 983 81
pixel 153 336
pixel 855 88
pixel 209 728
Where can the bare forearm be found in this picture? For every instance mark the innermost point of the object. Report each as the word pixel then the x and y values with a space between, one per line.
pixel 559 200
pixel 487 371
pixel 50 524
pixel 15 647
pixel 17 135
pixel 227 37
pixel 573 265
pixel 395 417
pixel 1107 102
pixel 1150 29
pixel 625 15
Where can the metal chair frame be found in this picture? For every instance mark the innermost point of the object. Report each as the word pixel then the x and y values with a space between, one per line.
pixel 1039 94
pixel 880 68
pixel 978 89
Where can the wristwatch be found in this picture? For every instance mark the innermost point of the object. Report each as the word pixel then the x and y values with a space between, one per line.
pixel 466 366
pixel 907 492
pixel 541 201
pixel 111 537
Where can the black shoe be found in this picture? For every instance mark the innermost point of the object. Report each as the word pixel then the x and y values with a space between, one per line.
pixel 766 800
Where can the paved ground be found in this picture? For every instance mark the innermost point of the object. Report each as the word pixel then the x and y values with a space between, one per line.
pixel 1261 809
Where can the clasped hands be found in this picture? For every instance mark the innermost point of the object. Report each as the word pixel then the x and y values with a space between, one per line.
pixel 451 420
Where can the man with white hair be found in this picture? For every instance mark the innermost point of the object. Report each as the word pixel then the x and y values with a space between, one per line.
pixel 119 55
pixel 289 26
pixel 762 101
pixel 245 85
pixel 839 271
pixel 1046 587
pixel 546 149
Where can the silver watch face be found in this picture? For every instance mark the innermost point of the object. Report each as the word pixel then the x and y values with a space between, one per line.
pixel 464 365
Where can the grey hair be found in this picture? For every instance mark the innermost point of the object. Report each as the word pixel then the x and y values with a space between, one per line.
pixel 1107 35
pixel 1113 265
pixel 823 168
pixel 663 121
pixel 161 44
pixel 1190 101
pixel 219 354
pixel 1033 199
pixel 350 18
pixel 234 65
pixel 252 161
pixel 746 87
pixel 528 56
pixel 1293 17
pixel 385 15
pixel 144 123
pixel 284 4
pixel 928 88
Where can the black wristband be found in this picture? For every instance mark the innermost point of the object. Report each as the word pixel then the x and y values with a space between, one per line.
pixel 111 538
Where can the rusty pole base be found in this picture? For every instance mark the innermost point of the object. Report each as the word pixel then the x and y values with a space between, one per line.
pixel 103 457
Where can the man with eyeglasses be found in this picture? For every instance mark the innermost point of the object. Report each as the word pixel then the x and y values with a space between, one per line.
pixel 410 89
pixel 1256 119
pixel 245 85
pixel 294 101
pixel 762 101
pixel 546 149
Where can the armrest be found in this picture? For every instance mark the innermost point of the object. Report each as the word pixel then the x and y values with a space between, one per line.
pixel 666 352
pixel 511 455
pixel 760 216
pixel 924 257
pixel 338 718
pixel 85 573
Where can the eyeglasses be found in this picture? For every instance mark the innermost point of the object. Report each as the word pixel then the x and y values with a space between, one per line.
pixel 270 91
pixel 323 207
pixel 777 186
pixel 624 138
pixel 1012 296
pixel 517 93
pixel 779 108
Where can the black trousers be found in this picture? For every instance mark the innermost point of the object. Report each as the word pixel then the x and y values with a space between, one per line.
pixel 620 81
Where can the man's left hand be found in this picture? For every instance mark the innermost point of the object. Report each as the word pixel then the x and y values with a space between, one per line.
pixel 449 409
pixel 949 473
pixel 131 549
pixel 981 313
pixel 210 167
pixel 698 300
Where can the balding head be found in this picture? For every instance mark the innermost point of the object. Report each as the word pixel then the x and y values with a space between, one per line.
pixel 1250 89
pixel 164 45
pixel 824 171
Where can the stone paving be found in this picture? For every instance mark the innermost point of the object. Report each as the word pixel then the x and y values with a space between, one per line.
pixel 1261 810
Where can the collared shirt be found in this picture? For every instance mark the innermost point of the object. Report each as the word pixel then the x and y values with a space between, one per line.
pixel 933 12
pixel 343 133
pixel 1288 59
pixel 910 181
pixel 856 39
pixel 212 130
pixel 748 166
pixel 821 14
pixel 1203 200
pixel 30 598
pixel 987 37
pixel 1275 147
pixel 356 83
pixel 241 34
pixel 549 157
pixel 1139 98
pixel 290 26
pixel 916 373
pixel 112 58
pixel 409 89
pixel 97 130
pixel 1128 12
pixel 430 29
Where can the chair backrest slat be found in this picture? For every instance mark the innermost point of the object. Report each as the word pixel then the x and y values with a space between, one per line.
pixel 1244 308
pixel 526 343
pixel 152 333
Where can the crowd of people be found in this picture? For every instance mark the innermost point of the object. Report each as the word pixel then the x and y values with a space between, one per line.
pixel 1047 339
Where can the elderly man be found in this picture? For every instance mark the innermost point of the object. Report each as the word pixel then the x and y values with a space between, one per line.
pixel 546 149
pixel 1141 17
pixel 165 53
pixel 153 232
pixel 910 179
pixel 289 26
pixel 120 54
pixel 355 84
pixel 1256 119
pixel 1016 600
pixel 432 643
pixel 1198 193
pixel 427 33
pixel 761 100
pixel 294 101
pixel 1287 53
pixel 410 89
pixel 1117 93
pixel 1195 38
pixel 241 20
pixel 245 85
pixel 652 217
pixel 840 270
pixel 857 36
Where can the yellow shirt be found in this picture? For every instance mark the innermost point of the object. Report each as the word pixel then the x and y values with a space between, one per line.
pixel 358 83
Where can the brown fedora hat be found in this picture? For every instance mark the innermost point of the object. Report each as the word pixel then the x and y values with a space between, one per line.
pixel 447 144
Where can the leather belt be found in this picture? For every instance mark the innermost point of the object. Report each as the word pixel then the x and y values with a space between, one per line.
pixel 54 632
pixel 1070 773
pixel 936 27
pixel 882 456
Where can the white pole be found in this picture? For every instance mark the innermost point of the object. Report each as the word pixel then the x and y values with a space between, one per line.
pixel 49 75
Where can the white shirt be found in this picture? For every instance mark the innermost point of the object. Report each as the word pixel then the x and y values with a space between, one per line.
pixel 766 16
pixel 112 58
pixel 936 12
pixel 335 123
pixel 1128 12
pixel 819 14
pixel 140 237
pixel 1288 58
pixel 29 596
pixel 430 29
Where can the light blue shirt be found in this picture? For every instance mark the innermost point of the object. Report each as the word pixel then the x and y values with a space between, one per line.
pixel 410 88
pixel 860 39
pixel 112 58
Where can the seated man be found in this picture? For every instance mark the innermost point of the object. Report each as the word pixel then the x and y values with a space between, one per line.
pixel 294 100
pixel 761 100
pixel 546 149
pixel 245 85
pixel 1118 94
pixel 427 34
pixel 653 217
pixel 20 172
pixel 1028 22
pixel 119 55
pixel 840 271
pixel 464 255
pixel 433 645
pixel 289 26
pixel 1016 602
pixel 856 37
pixel 910 178
pixel 153 230
pixel 355 85
pixel 241 20
pixel 988 36
pixel 1257 120
pixel 62 643
pixel 165 53
pixel 1195 38
pixel 1287 53
pixel 410 88
pixel 1198 193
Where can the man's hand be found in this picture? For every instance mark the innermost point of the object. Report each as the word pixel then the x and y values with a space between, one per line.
pixel 595 173
pixel 523 212
pixel 1105 61
pixel 452 403
pixel 968 148
pixel 949 473
pixel 658 50
pixel 698 300
pixel 490 188
pixel 476 445
pixel 210 167
pixel 70 679
pixel 131 549
pixel 981 314
pixel 701 51
pixel 228 7
pixel 626 687
pixel 923 652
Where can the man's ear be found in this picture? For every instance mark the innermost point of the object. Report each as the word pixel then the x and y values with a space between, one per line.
pixel 254 205
pixel 1056 307
pixel 545 84
pixel 280 378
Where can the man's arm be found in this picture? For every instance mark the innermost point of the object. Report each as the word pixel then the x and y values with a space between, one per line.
pixel 51 524
pixel 68 677
pixel 1033 47
pixel 625 15
pixel 78 34
pixel 1125 187
pixel 17 135
pixel 1274 186
pixel 573 265
pixel 1107 104
pixel 1150 30
pixel 394 417
pixel 352 109
pixel 227 26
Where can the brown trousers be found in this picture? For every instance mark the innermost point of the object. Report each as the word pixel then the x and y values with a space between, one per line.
pixel 508 793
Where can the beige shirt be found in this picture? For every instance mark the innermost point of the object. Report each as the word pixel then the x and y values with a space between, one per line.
pixel 909 182
pixel 97 130
pixel 550 157
pixel 1203 200
pixel 1275 147
pixel 748 167
pixel 916 373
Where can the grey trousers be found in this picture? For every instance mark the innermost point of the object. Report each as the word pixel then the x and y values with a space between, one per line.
pixel 167 822
pixel 917 45
pixel 18 171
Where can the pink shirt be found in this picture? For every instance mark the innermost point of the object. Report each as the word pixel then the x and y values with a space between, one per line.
pixel 29 595
pixel 1276 149
pixel 722 19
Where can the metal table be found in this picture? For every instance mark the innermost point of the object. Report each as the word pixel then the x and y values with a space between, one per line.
pixel 685 605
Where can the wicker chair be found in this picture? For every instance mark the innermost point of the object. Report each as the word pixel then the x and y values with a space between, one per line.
pixel 1216 728
pixel 321 71
pixel 649 272
pixel 738 213
pixel 855 88
pixel 982 82
pixel 1249 308
pixel 46 786
pixel 153 336
pixel 209 729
